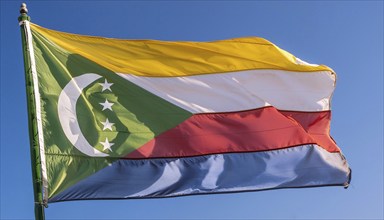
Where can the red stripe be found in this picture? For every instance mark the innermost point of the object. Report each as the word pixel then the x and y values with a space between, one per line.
pixel 247 131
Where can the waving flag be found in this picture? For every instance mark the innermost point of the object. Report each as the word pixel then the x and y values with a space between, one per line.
pixel 144 118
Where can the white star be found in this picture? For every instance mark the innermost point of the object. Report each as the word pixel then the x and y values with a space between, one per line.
pixel 107 125
pixel 107 145
pixel 106 85
pixel 107 105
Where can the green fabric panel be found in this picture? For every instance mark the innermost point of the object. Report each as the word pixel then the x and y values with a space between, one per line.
pixel 138 115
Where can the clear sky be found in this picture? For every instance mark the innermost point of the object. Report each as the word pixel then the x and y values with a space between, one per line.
pixel 345 35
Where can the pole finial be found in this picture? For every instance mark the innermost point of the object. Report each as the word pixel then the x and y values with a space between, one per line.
pixel 23 13
pixel 23 8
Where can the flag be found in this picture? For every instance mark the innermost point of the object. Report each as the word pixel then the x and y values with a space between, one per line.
pixel 146 119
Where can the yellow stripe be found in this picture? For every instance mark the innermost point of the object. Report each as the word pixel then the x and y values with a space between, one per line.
pixel 165 59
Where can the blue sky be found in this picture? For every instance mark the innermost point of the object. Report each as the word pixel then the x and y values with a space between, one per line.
pixel 345 35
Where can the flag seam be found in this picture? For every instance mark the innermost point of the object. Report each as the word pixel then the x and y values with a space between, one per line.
pixel 197 155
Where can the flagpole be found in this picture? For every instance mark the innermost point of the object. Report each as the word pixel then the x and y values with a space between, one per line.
pixel 32 120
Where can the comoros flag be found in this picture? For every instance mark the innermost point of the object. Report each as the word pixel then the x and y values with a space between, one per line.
pixel 144 118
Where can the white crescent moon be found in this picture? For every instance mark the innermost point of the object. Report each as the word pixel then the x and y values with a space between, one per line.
pixel 68 117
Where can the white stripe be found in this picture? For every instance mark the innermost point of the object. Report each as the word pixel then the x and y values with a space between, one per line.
pixel 244 90
pixel 38 110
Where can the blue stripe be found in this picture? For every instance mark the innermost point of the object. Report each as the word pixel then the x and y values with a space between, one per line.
pixel 302 166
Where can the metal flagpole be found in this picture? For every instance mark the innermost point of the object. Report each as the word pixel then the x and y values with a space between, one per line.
pixel 32 120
